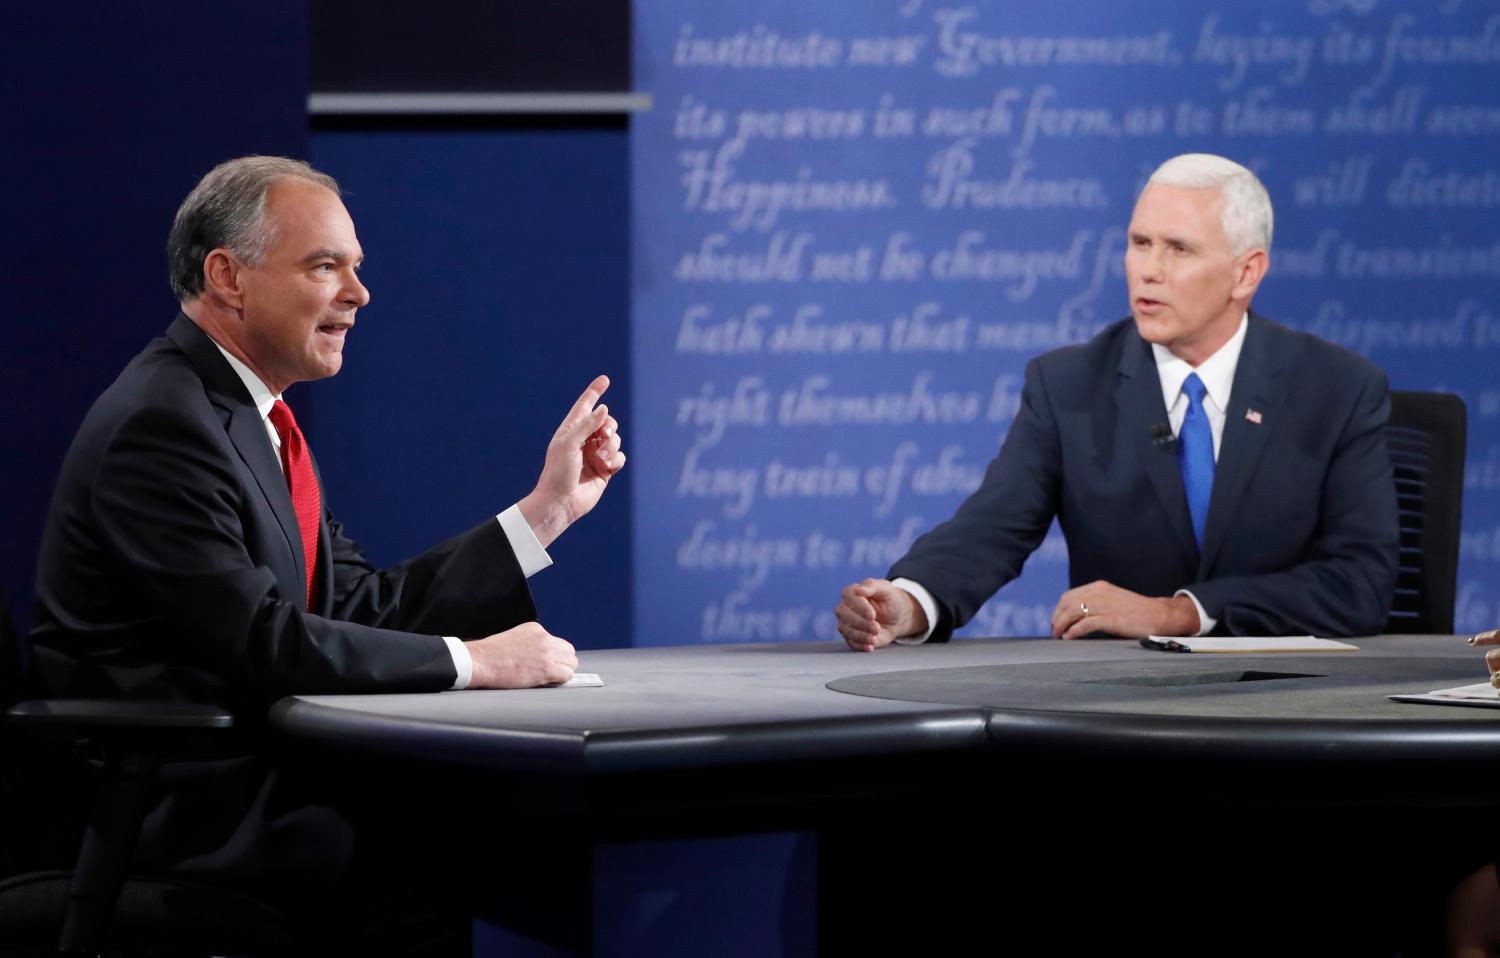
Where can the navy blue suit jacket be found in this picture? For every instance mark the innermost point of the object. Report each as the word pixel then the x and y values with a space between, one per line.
pixel 1301 534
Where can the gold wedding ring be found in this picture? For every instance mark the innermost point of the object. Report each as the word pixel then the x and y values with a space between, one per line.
pixel 1084 608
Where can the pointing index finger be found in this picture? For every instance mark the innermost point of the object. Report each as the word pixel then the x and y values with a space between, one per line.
pixel 590 397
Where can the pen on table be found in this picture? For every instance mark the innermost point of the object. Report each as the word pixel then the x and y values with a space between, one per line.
pixel 1170 645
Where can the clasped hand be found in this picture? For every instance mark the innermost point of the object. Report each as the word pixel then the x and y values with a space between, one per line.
pixel 874 613
pixel 1491 640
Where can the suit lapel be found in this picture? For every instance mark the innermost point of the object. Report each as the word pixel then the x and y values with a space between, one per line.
pixel 1138 398
pixel 1258 392
pixel 245 428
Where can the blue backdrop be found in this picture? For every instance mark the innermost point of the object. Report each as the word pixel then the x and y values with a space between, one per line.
pixel 854 223
pixel 496 263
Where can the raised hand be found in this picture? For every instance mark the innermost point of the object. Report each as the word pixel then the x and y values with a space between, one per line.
pixel 582 457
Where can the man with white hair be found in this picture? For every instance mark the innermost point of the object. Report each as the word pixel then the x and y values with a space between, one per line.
pixel 1211 470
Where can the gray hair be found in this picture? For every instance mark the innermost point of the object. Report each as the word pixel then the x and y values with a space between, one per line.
pixel 1247 216
pixel 227 210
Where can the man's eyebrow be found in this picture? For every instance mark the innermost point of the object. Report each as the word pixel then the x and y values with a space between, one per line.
pixel 338 256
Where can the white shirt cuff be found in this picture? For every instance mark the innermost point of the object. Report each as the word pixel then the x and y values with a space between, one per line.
pixel 1205 624
pixel 523 542
pixel 463 662
pixel 928 604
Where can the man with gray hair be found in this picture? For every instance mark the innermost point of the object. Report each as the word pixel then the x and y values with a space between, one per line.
pixel 1211 470
pixel 190 553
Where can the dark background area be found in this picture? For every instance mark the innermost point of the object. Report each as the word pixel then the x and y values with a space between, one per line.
pixel 399 46
pixel 111 113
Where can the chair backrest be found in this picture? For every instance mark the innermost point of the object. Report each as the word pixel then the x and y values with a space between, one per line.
pixel 1427 437
pixel 45 794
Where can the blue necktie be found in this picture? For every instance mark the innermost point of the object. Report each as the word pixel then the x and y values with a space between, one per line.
pixel 1195 454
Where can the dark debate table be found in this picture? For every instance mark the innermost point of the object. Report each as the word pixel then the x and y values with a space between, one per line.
pixel 723 740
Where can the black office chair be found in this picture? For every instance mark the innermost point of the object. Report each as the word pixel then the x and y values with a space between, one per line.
pixel 96 906
pixel 1427 437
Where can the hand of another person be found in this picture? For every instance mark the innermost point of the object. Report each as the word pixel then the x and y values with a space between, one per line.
pixel 1492 656
pixel 1109 609
pixel 521 658
pixel 874 613
pixel 582 457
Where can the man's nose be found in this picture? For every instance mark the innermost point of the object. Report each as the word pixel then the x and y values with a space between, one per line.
pixel 356 293
pixel 1152 266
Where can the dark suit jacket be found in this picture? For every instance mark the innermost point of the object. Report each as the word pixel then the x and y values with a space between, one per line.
pixel 171 563
pixel 1301 533
pixel 171 566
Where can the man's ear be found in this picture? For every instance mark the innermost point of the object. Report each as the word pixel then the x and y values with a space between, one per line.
pixel 222 278
pixel 1251 270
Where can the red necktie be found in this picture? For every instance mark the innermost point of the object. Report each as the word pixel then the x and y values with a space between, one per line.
pixel 303 485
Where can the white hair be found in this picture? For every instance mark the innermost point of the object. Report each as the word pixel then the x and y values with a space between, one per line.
pixel 1247 216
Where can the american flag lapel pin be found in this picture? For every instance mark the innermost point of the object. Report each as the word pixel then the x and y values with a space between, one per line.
pixel 1253 415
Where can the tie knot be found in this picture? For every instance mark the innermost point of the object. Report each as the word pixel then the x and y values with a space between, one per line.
pixel 281 417
pixel 1192 387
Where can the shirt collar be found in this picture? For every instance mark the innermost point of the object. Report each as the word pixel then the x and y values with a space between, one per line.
pixel 1216 372
pixel 260 395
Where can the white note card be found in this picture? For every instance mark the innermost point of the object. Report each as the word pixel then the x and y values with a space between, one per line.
pixel 1481 694
pixel 1250 643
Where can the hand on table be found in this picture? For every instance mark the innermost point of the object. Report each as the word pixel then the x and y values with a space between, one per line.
pixel 521 658
pixel 1101 607
pixel 1492 656
pixel 582 457
pixel 874 613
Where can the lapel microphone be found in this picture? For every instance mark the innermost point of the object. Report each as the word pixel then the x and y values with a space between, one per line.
pixel 1161 436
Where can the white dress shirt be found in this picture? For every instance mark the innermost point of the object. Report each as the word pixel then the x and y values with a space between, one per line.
pixel 530 554
pixel 1217 374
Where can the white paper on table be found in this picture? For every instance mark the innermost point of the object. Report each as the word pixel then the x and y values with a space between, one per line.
pixel 583 680
pixel 1481 695
pixel 1248 643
